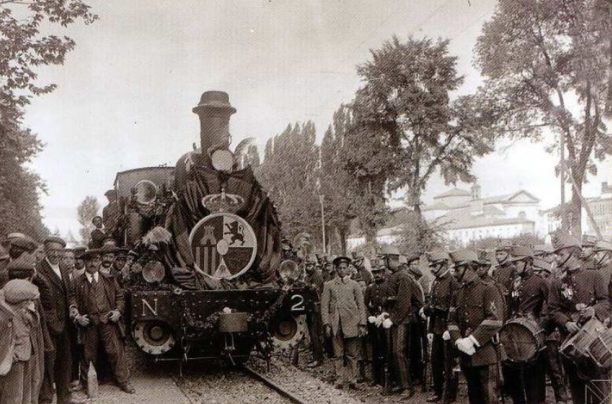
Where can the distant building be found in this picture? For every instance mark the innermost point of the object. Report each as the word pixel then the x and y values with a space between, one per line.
pixel 70 240
pixel 466 215
pixel 601 208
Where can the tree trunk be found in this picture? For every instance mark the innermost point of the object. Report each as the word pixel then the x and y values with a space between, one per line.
pixel 576 208
pixel 342 237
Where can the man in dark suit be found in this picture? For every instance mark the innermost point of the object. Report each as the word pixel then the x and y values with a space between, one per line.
pixel 55 294
pixel 96 306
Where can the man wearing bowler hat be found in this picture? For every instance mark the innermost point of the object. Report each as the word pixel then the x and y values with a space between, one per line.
pixel 343 316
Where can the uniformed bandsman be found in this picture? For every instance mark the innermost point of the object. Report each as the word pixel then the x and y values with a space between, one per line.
pixel 587 256
pixel 375 297
pixel 575 298
pixel 314 281
pixel 363 275
pixel 528 297
pixel 504 271
pixel 343 315
pixel 475 318
pixel 417 347
pixel 603 262
pixel 442 357
pixel 403 295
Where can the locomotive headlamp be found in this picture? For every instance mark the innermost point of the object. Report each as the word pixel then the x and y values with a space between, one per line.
pixel 289 270
pixel 222 160
pixel 153 271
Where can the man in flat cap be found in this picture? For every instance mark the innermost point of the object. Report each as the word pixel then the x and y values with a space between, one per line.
pixel 19 244
pixel 96 307
pixel 403 294
pixel 475 317
pixel 550 356
pixel 55 294
pixel 442 362
pixel 528 298
pixel 79 263
pixel 576 297
pixel 343 316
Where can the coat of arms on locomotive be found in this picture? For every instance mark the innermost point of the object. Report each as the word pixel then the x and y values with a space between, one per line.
pixel 223 245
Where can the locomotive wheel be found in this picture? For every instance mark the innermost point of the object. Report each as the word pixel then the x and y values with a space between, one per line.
pixel 287 331
pixel 154 337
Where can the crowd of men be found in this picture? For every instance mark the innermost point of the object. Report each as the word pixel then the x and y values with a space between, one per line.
pixel 61 312
pixel 388 322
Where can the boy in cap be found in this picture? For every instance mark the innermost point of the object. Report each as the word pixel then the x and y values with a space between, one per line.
pixel 96 308
pixel 575 298
pixel 343 315
pixel 475 317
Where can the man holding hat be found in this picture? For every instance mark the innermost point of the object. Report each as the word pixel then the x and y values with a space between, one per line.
pixel 528 298
pixel 576 297
pixel 55 294
pixel 403 294
pixel 442 291
pixel 475 317
pixel 96 308
pixel 343 315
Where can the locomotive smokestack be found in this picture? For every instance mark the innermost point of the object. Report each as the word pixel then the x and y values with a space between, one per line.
pixel 214 111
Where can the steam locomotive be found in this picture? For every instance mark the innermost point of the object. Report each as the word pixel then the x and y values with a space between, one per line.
pixel 210 281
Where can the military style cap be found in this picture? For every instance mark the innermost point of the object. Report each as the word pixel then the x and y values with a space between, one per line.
pixel 464 256
pixel 389 250
pixel 438 255
pixel 603 245
pixel 588 240
pixel 521 252
pixel 484 258
pixel 413 257
pixel 132 253
pixel 565 241
pixel 121 252
pixel 541 265
pixel 543 249
pixel 340 259
pixel 55 239
pixel 504 245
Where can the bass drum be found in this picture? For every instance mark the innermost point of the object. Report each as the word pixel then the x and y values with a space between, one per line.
pixel 522 339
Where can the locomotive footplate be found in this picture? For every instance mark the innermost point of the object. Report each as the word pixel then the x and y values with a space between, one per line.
pixel 210 324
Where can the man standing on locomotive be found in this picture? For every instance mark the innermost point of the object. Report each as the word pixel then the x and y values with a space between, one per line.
pixel 475 317
pixel 442 290
pixel 96 308
pixel 525 382
pixel 576 297
pixel 344 320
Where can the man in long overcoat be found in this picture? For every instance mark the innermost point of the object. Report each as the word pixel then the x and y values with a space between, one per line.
pixel 343 315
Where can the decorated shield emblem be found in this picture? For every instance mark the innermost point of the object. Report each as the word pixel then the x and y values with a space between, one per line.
pixel 223 245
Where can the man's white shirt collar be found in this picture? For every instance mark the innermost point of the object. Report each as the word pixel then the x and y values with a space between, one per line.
pixel 91 277
pixel 55 268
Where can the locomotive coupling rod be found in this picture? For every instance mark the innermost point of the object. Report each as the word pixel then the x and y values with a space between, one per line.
pixel 273 385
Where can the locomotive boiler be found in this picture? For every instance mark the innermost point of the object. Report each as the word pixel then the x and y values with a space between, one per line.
pixel 210 280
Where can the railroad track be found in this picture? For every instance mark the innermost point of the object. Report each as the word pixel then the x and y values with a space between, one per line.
pixel 273 385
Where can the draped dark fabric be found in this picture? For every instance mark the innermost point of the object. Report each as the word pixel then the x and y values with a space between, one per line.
pixel 199 180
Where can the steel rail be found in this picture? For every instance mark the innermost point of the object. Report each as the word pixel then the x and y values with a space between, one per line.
pixel 273 385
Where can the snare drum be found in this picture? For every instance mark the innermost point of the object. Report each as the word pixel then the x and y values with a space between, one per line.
pixel 522 339
pixel 575 347
pixel 600 349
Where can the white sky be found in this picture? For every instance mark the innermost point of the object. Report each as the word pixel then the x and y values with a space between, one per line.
pixel 125 93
